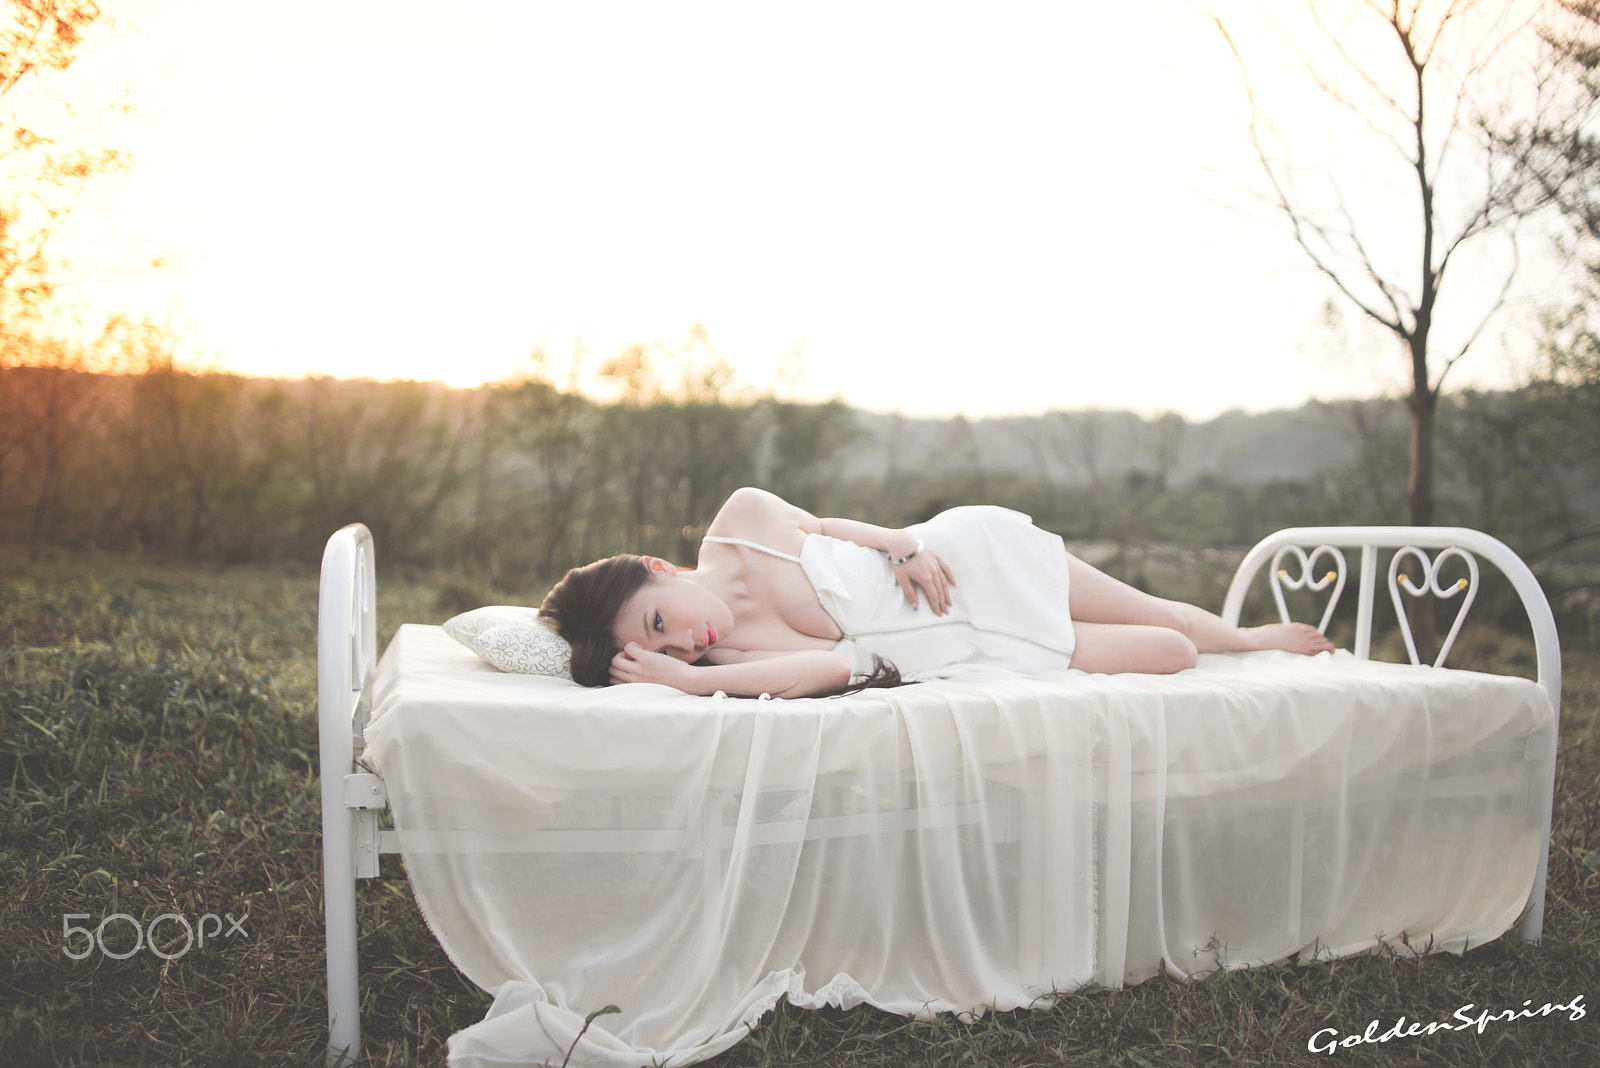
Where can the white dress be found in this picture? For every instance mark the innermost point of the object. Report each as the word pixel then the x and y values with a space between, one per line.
pixel 1009 605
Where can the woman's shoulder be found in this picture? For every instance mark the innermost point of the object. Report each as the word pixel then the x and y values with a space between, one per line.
pixel 750 512
pixel 755 515
pixel 745 503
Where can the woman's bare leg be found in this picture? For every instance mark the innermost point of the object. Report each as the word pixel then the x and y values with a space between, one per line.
pixel 1112 648
pixel 1211 635
pixel 1095 597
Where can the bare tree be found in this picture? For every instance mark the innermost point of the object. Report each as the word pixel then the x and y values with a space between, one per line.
pixel 42 392
pixel 550 431
pixel 1425 101
pixel 1083 436
pixel 806 447
pixel 47 404
pixel 1559 149
pixel 680 438
pixel 40 177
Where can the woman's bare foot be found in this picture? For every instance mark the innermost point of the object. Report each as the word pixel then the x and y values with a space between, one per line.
pixel 1290 637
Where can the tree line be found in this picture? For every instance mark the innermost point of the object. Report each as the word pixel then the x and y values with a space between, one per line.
pixel 517 479
pixel 514 482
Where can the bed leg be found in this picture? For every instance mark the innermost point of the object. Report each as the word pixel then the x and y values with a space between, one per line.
pixel 339 914
pixel 1531 929
pixel 1542 783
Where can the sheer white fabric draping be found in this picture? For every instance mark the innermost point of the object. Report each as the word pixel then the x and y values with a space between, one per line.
pixel 968 844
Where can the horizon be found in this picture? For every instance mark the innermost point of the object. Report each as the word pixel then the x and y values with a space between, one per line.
pixel 753 395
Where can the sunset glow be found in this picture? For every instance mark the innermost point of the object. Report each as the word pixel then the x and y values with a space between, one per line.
pixel 942 208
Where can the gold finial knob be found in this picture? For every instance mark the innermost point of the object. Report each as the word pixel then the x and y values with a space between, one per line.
pixel 1330 576
pixel 1283 573
pixel 1461 584
pixel 1403 579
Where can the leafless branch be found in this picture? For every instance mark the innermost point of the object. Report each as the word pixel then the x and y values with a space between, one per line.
pixel 1337 41
pixel 1391 296
pixel 1299 221
pixel 1450 14
pixel 1494 309
pixel 1484 52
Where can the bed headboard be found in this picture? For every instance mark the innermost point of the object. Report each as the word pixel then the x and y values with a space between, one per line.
pixel 1295 555
pixel 347 645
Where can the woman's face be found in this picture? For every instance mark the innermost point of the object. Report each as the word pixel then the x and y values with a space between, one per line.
pixel 672 615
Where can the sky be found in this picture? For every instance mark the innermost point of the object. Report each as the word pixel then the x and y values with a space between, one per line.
pixel 933 208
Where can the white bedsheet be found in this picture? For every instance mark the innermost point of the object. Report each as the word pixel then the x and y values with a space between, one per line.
pixel 960 845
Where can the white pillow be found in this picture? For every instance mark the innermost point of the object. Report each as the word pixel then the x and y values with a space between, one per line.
pixel 513 639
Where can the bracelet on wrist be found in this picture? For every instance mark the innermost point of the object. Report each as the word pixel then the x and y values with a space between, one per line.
pixel 894 562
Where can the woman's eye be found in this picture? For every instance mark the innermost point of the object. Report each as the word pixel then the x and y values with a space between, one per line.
pixel 658 621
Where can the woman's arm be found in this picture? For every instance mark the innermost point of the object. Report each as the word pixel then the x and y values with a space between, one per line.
pixel 769 519
pixel 801 674
pixel 896 543
pixel 752 513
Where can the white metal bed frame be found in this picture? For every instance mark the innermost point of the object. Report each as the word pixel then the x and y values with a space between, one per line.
pixel 347 658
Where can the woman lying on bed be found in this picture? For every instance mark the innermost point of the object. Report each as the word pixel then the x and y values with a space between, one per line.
pixel 782 602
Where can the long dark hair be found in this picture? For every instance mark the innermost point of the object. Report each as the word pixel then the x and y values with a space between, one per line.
pixel 883 674
pixel 584 606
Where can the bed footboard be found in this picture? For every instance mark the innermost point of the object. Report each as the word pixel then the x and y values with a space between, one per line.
pixel 346 659
pixel 1295 557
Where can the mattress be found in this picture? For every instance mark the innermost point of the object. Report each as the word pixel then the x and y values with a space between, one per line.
pixel 977 842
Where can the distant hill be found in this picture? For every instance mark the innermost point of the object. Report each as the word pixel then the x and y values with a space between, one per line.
pixel 1238 447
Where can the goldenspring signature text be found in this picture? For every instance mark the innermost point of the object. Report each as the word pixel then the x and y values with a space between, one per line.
pixel 1328 1040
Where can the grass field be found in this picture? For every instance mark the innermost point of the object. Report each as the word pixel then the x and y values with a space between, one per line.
pixel 158 756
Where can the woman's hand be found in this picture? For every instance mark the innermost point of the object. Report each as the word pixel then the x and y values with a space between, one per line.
pixel 635 663
pixel 927 570
pixel 793 674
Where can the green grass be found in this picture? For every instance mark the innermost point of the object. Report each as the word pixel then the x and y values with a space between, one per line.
pixel 158 755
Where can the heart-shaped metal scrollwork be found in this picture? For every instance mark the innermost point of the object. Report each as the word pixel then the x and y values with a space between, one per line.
pixel 1430 584
pixel 1282 578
